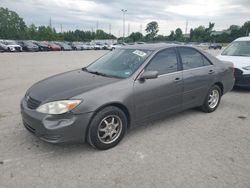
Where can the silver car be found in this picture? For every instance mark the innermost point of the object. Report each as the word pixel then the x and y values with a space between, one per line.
pixel 123 89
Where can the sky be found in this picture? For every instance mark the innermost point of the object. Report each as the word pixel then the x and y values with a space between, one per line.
pixel 106 14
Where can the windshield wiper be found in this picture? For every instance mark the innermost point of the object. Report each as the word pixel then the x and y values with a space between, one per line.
pixel 95 72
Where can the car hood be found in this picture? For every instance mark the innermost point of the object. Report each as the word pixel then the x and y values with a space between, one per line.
pixel 67 85
pixel 238 61
pixel 13 45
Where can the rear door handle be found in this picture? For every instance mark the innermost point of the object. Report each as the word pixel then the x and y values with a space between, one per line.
pixel 211 72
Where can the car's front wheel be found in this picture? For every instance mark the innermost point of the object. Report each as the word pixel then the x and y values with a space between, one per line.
pixel 107 128
pixel 212 99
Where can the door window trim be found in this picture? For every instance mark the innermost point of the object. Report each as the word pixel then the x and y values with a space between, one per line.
pixel 180 59
pixel 179 68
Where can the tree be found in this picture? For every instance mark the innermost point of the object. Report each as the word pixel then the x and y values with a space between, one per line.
pixel 171 37
pixel 152 29
pixel 178 34
pixel 245 29
pixel 11 25
pixel 136 36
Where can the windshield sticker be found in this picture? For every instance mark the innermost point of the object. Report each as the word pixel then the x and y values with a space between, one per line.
pixel 139 53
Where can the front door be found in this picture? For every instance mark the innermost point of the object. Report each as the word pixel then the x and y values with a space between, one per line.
pixel 163 94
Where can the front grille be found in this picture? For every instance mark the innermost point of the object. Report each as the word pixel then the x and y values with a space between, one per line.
pixel 32 103
pixel 28 127
pixel 237 72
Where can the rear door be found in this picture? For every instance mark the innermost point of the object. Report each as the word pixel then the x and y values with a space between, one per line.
pixel 198 76
pixel 163 94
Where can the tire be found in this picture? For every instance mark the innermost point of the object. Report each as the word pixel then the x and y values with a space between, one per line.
pixel 98 128
pixel 209 106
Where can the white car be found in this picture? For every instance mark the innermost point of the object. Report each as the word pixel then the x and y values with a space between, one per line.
pixel 238 52
pixel 12 46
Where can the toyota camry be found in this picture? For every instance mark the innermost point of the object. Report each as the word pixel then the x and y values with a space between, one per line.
pixel 125 88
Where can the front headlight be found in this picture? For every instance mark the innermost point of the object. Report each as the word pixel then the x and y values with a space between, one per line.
pixel 58 107
pixel 246 68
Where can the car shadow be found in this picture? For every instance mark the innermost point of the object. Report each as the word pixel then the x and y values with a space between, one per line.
pixel 241 90
pixel 84 148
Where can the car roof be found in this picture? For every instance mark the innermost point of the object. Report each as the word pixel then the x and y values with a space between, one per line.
pixel 243 39
pixel 152 47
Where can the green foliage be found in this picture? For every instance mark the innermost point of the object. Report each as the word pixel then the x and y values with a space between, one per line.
pixel 13 27
pixel 152 30
pixel 135 36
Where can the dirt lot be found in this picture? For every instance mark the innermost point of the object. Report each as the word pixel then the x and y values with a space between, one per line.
pixel 190 149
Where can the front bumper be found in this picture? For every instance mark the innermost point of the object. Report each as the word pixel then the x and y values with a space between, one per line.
pixel 242 80
pixel 61 128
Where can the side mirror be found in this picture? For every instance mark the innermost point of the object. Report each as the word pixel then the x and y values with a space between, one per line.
pixel 148 75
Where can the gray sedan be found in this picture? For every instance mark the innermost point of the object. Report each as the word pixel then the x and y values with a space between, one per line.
pixel 123 89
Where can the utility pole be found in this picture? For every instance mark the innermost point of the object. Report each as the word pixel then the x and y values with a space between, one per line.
pixel 186 28
pixel 110 29
pixel 61 28
pixel 123 11
pixel 50 22
pixel 97 25
pixel 128 29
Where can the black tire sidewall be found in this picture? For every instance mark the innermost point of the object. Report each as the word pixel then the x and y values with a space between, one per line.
pixel 206 106
pixel 93 139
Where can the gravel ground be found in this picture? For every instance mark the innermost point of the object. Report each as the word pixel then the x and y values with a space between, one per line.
pixel 190 149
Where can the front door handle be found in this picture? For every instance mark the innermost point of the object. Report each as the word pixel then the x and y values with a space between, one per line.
pixel 211 71
pixel 177 79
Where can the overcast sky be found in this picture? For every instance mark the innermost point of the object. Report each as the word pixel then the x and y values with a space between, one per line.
pixel 170 14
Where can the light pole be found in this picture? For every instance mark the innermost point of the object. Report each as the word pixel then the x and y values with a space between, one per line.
pixel 124 11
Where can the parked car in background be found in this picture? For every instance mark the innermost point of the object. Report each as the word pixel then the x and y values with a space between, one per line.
pixel 238 52
pixel 53 47
pixel 28 46
pixel 215 46
pixel 76 45
pixel 150 82
pixel 89 46
pixel 3 47
pixel 98 46
pixel 64 46
pixel 203 46
pixel 12 46
pixel 42 46
pixel 117 45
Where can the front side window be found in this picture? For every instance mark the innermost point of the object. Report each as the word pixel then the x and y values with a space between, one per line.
pixel 121 63
pixel 191 58
pixel 238 48
pixel 164 62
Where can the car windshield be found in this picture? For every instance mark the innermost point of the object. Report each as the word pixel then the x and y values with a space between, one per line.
pixel 10 43
pixel 238 48
pixel 120 63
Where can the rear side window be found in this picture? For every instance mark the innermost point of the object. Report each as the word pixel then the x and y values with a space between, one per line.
pixel 164 62
pixel 191 58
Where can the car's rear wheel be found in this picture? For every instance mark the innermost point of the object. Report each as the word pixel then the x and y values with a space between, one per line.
pixel 212 99
pixel 107 128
